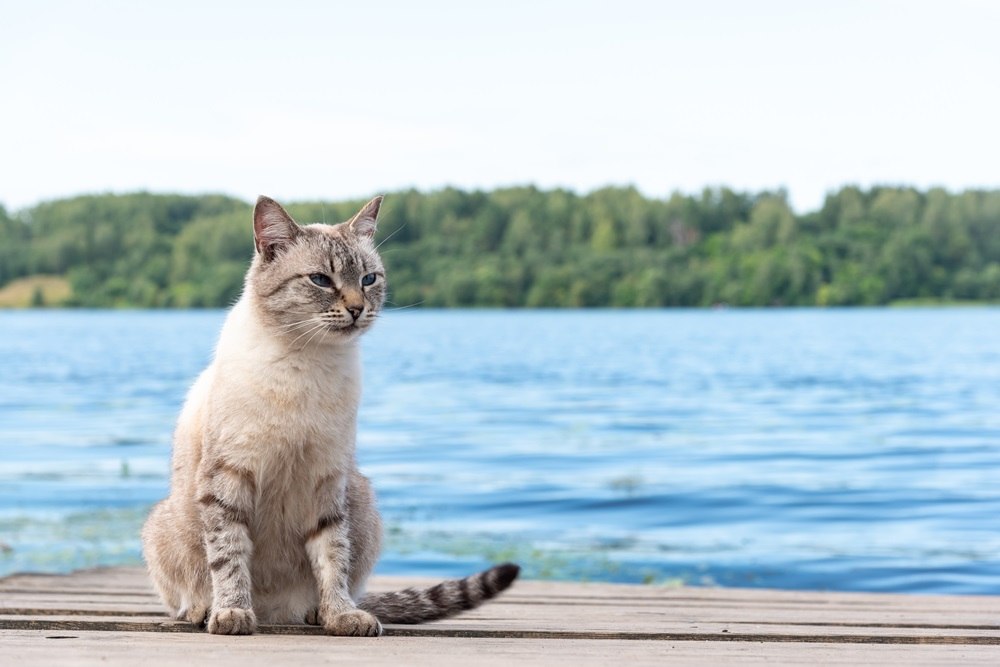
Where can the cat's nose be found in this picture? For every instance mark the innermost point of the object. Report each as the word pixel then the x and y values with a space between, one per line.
pixel 355 311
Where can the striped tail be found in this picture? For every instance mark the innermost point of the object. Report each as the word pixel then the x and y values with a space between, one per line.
pixel 445 599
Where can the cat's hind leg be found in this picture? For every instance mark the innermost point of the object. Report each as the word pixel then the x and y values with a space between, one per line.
pixel 175 559
pixel 193 612
pixel 364 530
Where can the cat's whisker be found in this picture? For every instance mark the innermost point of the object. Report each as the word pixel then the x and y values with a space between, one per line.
pixel 300 332
pixel 305 329
pixel 294 325
pixel 319 325
pixel 391 234
pixel 310 339
pixel 412 305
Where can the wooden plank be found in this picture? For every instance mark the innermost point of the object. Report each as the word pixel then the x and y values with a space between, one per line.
pixel 641 624
pixel 28 649
pixel 534 602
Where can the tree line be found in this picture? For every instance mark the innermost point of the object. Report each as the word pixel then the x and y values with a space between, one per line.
pixel 526 247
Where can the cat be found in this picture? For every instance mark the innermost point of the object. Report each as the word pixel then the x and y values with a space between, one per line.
pixel 268 518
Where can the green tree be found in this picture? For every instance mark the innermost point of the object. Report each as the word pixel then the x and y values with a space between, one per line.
pixel 522 246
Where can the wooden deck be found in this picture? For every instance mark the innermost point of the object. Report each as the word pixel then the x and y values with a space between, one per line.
pixel 112 617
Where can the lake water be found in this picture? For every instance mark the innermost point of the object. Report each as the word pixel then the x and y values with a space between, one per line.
pixel 804 449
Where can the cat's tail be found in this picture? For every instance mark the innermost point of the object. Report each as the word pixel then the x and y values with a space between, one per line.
pixel 448 598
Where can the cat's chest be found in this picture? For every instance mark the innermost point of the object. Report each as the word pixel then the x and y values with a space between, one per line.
pixel 308 401
pixel 299 411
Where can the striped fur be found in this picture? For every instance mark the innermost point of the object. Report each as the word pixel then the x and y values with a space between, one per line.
pixel 441 601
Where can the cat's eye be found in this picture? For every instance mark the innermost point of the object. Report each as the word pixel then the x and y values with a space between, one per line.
pixel 368 280
pixel 320 280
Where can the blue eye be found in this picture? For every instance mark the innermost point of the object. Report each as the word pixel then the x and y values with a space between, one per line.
pixel 368 280
pixel 320 280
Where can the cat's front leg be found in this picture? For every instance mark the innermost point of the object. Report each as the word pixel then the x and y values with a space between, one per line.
pixel 329 547
pixel 226 498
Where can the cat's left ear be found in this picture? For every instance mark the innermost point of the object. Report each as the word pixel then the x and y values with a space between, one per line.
pixel 273 228
pixel 363 223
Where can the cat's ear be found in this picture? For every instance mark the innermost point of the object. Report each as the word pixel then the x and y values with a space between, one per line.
pixel 364 221
pixel 273 228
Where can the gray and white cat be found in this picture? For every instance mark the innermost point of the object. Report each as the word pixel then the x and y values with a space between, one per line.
pixel 268 518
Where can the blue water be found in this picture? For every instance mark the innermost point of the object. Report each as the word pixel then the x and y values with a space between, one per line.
pixel 804 449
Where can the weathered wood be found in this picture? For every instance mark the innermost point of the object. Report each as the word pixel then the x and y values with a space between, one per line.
pixel 113 616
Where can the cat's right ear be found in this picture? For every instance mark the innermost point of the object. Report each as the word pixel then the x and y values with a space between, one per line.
pixel 364 221
pixel 273 228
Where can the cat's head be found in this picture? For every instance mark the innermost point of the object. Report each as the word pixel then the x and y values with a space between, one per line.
pixel 316 284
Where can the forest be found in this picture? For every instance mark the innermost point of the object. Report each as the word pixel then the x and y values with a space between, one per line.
pixel 527 247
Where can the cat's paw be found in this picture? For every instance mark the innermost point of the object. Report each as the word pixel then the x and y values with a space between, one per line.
pixel 312 617
pixel 195 614
pixel 232 621
pixel 354 623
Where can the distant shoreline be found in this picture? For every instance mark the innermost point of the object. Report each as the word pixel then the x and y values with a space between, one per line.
pixel 901 305
pixel 528 247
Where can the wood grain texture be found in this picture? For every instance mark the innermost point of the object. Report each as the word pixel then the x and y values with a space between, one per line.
pixel 112 616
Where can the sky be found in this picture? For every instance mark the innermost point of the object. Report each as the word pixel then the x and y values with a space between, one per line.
pixel 335 100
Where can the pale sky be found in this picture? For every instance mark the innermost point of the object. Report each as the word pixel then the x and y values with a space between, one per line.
pixel 307 100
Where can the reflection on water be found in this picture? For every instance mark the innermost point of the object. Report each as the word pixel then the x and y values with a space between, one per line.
pixel 851 450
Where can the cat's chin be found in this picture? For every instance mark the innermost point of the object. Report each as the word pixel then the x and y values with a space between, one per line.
pixel 341 334
pixel 349 332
